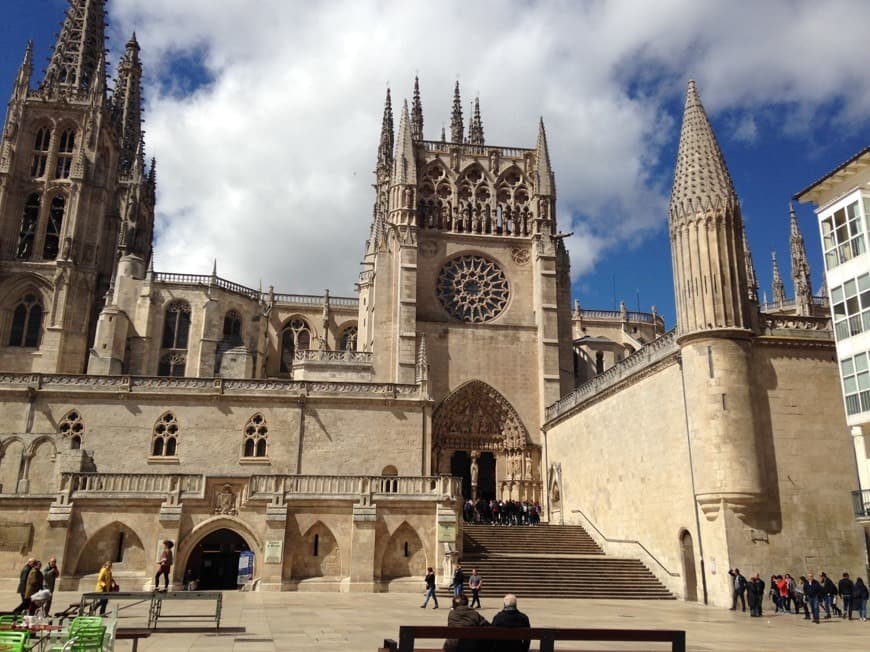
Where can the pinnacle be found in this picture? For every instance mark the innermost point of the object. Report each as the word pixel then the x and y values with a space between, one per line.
pixel 457 128
pixel 701 175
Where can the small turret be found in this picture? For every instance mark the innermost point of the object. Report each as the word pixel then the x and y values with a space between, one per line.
pixel 417 113
pixel 475 132
pixel 457 128
pixel 127 104
pixel 800 267
pixel 778 285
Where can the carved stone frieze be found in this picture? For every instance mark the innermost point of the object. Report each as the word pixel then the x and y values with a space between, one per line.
pixel 477 416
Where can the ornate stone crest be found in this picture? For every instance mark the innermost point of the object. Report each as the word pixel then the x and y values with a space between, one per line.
pixel 521 255
pixel 225 501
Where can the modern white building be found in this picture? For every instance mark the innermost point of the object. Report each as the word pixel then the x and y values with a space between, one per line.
pixel 842 199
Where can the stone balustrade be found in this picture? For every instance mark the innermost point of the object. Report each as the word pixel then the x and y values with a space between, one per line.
pixel 157 485
pixel 347 356
pixel 483 150
pixel 274 488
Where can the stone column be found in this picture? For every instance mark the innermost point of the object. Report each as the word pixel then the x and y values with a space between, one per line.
pixel 362 550
pixel 271 566
pixel 475 455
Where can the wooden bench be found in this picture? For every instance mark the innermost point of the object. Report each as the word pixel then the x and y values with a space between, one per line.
pixel 132 634
pixel 547 636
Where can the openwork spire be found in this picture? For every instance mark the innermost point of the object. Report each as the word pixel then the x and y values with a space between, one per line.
pixel 800 266
pixel 385 149
pixel 417 112
pixel 457 128
pixel 475 133
pixel 778 285
pixel 74 65
pixel 22 81
pixel 701 178
pixel 544 180
pixel 751 277
pixel 127 106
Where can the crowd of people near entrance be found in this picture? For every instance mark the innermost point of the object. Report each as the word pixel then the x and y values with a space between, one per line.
pixel 805 595
pixel 501 512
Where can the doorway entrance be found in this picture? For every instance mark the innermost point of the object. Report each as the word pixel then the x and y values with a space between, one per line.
pixel 460 467
pixel 687 550
pixel 214 562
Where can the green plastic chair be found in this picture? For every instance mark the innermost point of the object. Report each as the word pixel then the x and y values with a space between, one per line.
pixel 85 622
pixel 86 639
pixel 13 641
pixel 11 619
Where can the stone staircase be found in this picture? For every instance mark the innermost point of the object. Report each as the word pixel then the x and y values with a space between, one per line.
pixel 552 561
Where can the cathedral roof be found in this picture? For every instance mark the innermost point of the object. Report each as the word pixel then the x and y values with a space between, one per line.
pixel 701 178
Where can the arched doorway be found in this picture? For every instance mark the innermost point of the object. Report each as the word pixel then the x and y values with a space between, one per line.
pixel 687 550
pixel 214 561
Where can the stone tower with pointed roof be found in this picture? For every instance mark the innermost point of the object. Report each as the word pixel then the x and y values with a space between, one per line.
pixel 714 315
pixel 74 195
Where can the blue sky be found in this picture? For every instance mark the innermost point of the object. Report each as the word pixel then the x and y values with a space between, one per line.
pixel 265 124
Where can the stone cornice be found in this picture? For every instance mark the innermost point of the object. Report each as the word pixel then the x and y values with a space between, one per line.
pixel 124 386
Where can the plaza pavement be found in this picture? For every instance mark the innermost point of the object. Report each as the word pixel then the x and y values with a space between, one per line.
pixel 361 621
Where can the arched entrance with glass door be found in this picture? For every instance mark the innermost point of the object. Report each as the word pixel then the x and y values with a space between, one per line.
pixel 214 562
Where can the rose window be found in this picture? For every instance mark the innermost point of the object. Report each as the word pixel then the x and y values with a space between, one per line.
pixel 473 289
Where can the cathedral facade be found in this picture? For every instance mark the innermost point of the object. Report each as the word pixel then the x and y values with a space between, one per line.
pixel 335 437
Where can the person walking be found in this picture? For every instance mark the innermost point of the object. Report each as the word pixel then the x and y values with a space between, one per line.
pixel 830 595
pixel 105 583
pixel 430 589
pixel 163 566
pixel 33 584
pixel 859 598
pixel 510 616
pixel 22 584
pixel 458 580
pixel 474 583
pixel 738 589
pixel 845 587
pixel 813 592
pixel 49 579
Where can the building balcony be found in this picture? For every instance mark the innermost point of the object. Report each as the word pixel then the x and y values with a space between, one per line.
pixel 861 505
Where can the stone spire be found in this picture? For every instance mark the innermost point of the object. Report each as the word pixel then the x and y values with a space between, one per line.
pixel 544 183
pixel 417 112
pixel 127 105
pixel 800 267
pixel 404 165
pixel 457 128
pixel 443 134
pixel 701 178
pixel 151 183
pixel 751 277
pixel 778 285
pixel 706 229
pixel 22 81
pixel 475 132
pixel 385 149
pixel 74 65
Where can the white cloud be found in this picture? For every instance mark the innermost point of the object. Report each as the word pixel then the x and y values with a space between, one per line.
pixel 268 167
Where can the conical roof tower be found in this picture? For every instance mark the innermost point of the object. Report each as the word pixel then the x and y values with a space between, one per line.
pixel 81 44
pixel 706 231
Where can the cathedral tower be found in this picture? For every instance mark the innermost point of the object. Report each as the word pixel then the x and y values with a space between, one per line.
pixel 714 317
pixel 464 254
pixel 72 181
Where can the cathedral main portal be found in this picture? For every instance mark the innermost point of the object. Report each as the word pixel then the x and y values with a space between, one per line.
pixel 478 436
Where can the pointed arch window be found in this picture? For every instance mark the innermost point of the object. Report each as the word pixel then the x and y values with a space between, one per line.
pixel 72 429
pixel 26 322
pixel 233 327
pixel 296 336
pixel 29 220
pixel 164 440
pixel 52 230
pixel 40 152
pixel 65 154
pixel 255 437
pixel 176 330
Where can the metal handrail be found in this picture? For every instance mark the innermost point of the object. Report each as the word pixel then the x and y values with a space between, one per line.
pixel 632 541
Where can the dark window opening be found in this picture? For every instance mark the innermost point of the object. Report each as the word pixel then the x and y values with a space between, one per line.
pixel 170 447
pixel 27 234
pixel 52 230
pixel 249 448
pixel 261 448
pixel 316 544
pixel 157 451
pixel 599 362
pixel 407 554
pixel 64 154
pixel 119 554
pixel 75 443
pixel 40 152
pixel 233 327
pixel 26 322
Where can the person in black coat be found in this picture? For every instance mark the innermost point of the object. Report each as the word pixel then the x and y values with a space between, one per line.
pixel 510 616
pixel 829 590
pixel 813 592
pixel 22 586
pixel 464 616
pixel 752 596
pixel 845 587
